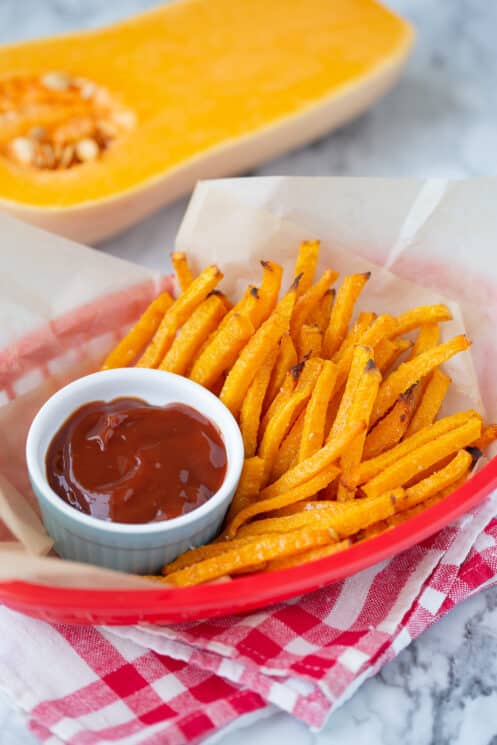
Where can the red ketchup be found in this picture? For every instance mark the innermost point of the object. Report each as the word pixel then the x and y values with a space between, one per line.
pixel 127 461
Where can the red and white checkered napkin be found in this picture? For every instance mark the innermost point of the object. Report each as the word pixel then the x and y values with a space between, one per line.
pixel 161 686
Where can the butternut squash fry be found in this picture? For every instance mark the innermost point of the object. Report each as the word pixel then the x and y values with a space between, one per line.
pixel 263 343
pixel 309 301
pixel 269 292
pixel 223 351
pixel 287 455
pixel 278 426
pixel 313 430
pixel 139 336
pixel 250 414
pixel 423 457
pixel 343 518
pixel 203 321
pixel 427 338
pixel 362 406
pixel 321 315
pixel 363 322
pixel 177 314
pixel 184 276
pixel 387 352
pixel 304 491
pixel 310 341
pixel 323 458
pixel 262 550
pixel 431 401
pixel 249 486
pixel 305 266
pixel 286 359
pixel 312 554
pixel 342 312
pixel 410 372
pixel 421 316
pixel 362 358
pixel 440 480
pixel 368 469
pixel 391 429
pixel 488 436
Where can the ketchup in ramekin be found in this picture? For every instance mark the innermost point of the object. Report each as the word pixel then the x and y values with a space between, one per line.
pixel 128 461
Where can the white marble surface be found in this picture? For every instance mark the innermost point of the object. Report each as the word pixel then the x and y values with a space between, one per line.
pixel 441 120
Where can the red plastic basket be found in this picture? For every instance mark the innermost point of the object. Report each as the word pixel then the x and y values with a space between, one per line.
pixel 161 605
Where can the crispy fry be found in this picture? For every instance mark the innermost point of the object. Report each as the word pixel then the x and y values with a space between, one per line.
pixel 426 314
pixel 262 344
pixel 207 551
pixel 191 336
pixel 269 292
pixel 488 436
pixel 244 307
pixel 449 489
pixel 283 395
pixel 362 358
pixel 287 455
pixel 381 328
pixel 438 481
pixel 402 517
pixel 278 427
pixel 423 457
pixel 286 359
pixel 310 373
pixel 249 486
pixel 315 415
pixel 221 353
pixel 177 314
pixel 342 312
pixel 321 315
pixel 250 569
pixel 306 519
pixel 360 410
pixel 292 379
pixel 363 322
pixel 427 338
pixel 309 301
pixel 366 512
pixel 431 401
pixel 305 504
pixel 313 554
pixel 300 376
pixel 184 276
pixel 323 458
pixel 407 514
pixel 305 266
pixel 410 372
pixel 343 518
pixel 370 468
pixel 310 341
pixel 391 429
pixel 304 491
pixel 130 347
pixel 262 550
pixel 285 410
pixel 250 413
pixel 387 352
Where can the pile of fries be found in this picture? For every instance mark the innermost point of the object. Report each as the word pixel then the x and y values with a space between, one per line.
pixel 338 417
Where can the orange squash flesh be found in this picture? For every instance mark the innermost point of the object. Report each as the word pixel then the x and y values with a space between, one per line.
pixel 215 87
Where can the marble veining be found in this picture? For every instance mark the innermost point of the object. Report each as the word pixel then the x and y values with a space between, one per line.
pixel 441 120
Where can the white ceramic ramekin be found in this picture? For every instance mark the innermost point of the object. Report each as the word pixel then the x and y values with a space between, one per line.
pixel 140 548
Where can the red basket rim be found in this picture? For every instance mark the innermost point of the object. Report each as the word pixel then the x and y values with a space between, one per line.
pixel 242 594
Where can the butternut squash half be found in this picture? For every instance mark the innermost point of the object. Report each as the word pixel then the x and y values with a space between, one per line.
pixel 98 129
